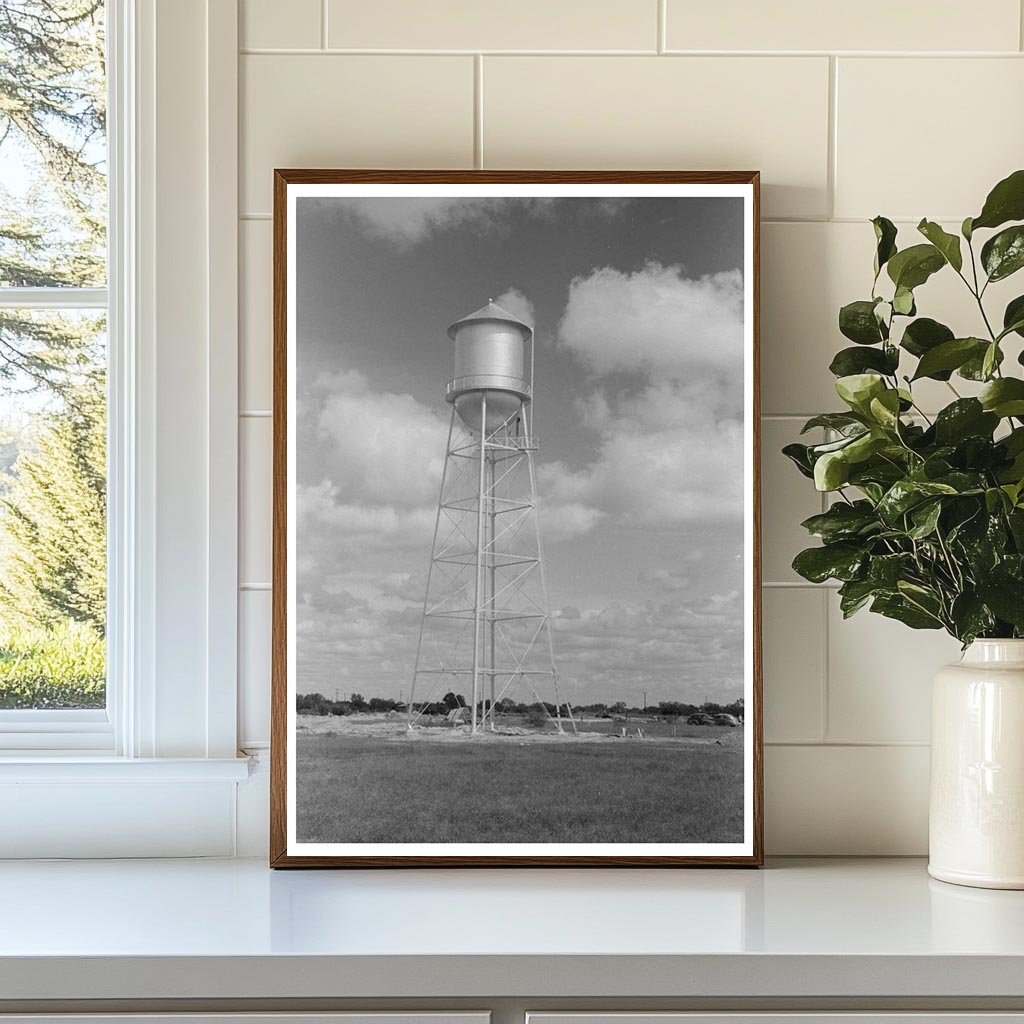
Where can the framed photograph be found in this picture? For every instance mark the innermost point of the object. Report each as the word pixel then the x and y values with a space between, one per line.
pixel 516 586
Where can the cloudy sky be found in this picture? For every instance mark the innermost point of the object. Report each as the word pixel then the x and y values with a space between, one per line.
pixel 638 306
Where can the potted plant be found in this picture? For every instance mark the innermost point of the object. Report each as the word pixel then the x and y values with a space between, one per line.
pixel 926 524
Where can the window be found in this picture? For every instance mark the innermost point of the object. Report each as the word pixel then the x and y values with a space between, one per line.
pixel 53 367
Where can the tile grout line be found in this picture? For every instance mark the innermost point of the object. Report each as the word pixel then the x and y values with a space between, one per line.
pixel 854 744
pixel 336 51
pixel 1020 24
pixel 833 134
pixel 323 24
pixel 824 723
pixel 826 650
pixel 478 111
pixel 662 29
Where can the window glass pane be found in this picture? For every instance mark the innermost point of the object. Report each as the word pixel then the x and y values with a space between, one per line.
pixel 53 152
pixel 52 509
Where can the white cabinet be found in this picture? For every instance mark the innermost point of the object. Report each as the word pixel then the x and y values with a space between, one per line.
pixel 785 1017
pixel 362 1017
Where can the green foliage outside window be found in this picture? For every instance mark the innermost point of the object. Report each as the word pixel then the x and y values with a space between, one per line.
pixel 52 364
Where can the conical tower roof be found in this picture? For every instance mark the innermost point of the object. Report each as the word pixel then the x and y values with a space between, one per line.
pixel 494 313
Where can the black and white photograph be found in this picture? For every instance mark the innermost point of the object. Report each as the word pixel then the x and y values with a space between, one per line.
pixel 516 520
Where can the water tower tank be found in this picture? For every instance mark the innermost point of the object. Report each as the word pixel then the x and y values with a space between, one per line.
pixel 489 361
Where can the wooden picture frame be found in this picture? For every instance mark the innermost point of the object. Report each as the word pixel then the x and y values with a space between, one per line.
pixel 286 850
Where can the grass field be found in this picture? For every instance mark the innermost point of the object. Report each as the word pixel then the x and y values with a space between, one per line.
pixel 353 789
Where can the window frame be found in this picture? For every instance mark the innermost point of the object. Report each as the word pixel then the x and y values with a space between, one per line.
pixel 61 730
pixel 172 248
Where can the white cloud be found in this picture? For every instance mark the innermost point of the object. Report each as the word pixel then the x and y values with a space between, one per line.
pixel 328 523
pixel 406 220
pixel 655 320
pixel 561 520
pixel 666 457
pixel 377 447
pixel 670 450
pixel 682 649
pixel 516 303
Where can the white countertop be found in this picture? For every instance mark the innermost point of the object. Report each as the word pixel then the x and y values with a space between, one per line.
pixel 233 929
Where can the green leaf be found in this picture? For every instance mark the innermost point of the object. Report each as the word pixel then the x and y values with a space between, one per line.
pixel 887 570
pixel 912 267
pixel 842 521
pixel 990 360
pixel 854 595
pixel 1013 317
pixel 865 446
pixel 1003 254
pixel 799 455
pixel 923 335
pixel 831 471
pixel 925 518
pixel 1005 202
pixel 974 368
pixel 885 237
pixel 965 229
pixel 885 409
pixel 842 421
pixel 818 450
pixel 858 389
pixel 906 494
pixel 966 417
pixel 897 607
pixel 1004 397
pixel 840 561
pixel 903 302
pixel 1005 596
pixel 857 321
pixel 970 617
pixel 950 355
pixel 947 244
pixel 849 361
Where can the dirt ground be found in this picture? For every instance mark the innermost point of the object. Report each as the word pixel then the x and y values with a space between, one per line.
pixel 437 730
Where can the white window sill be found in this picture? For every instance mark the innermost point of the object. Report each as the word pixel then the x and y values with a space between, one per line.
pixel 77 766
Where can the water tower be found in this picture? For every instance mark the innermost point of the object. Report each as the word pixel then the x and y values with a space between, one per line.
pixel 486 623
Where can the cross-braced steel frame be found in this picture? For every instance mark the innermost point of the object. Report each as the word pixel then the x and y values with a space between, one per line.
pixel 486 617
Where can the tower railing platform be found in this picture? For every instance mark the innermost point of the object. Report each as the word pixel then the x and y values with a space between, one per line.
pixel 485 381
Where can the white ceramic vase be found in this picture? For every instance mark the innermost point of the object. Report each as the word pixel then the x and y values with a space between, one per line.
pixel 976 817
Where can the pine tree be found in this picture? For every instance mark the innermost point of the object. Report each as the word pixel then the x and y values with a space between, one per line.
pixel 52 500
pixel 53 521
pixel 53 122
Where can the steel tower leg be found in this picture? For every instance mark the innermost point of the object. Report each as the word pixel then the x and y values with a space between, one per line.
pixel 491 600
pixel 481 521
pixel 547 599
pixel 430 569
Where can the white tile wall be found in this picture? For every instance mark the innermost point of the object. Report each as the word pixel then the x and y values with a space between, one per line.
pixel 472 25
pixel 971 110
pixel 262 23
pixel 873 25
pixel 686 112
pixel 333 110
pixel 910 109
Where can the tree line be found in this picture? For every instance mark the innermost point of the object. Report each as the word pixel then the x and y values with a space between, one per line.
pixel 318 704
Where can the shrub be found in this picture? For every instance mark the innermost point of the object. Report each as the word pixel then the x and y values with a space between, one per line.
pixel 61 667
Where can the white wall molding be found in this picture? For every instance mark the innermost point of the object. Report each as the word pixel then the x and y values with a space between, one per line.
pixel 73 770
pixel 174 464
